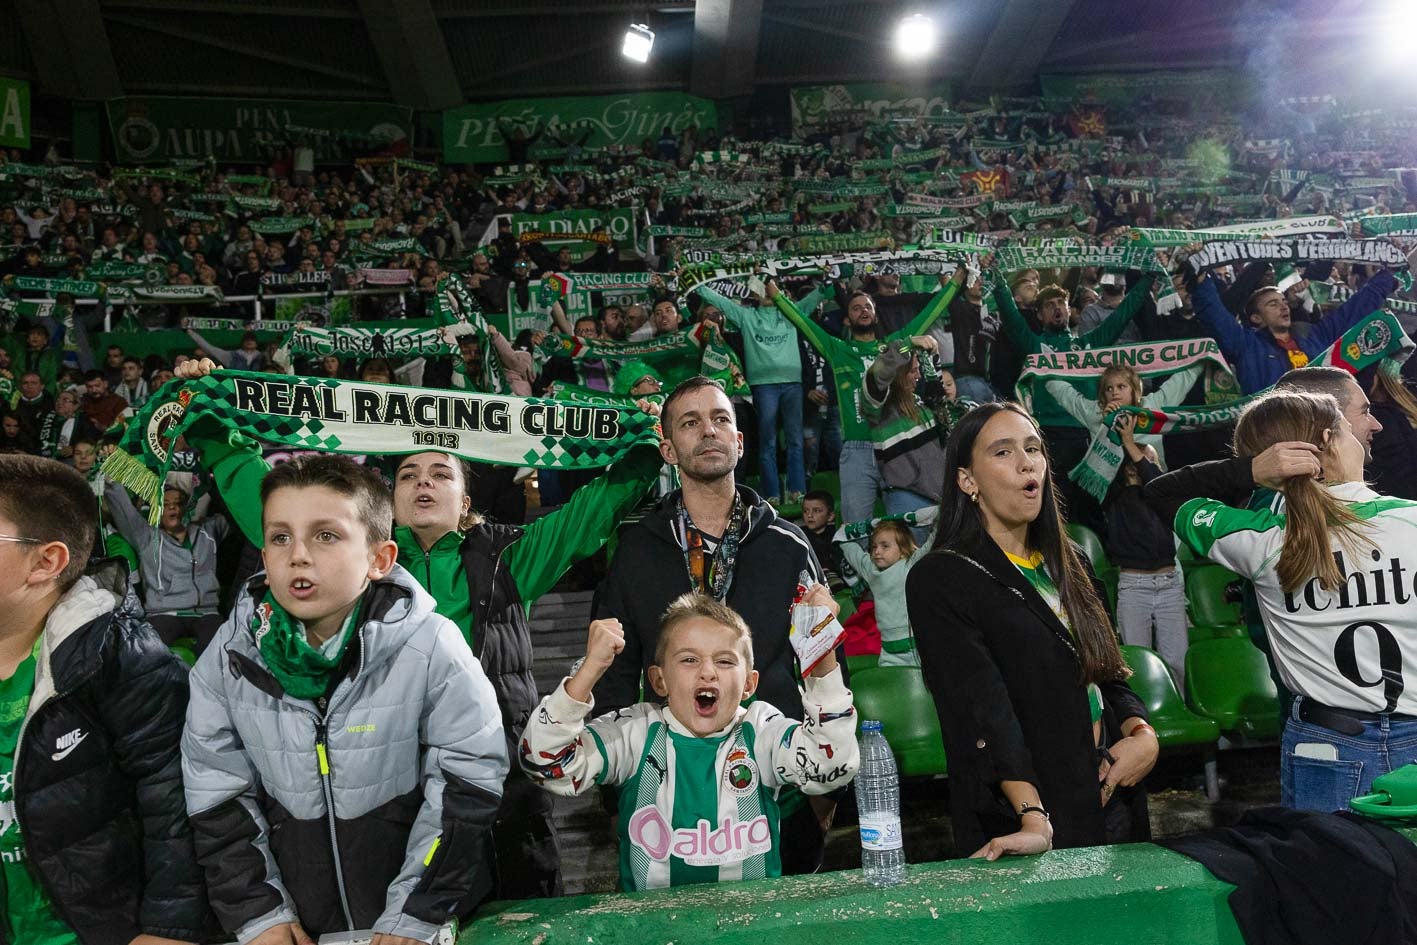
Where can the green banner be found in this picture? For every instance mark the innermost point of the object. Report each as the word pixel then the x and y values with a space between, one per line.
pixel 172 128
pixel 1203 88
pixel 14 113
pixel 473 133
pixel 576 228
pixel 815 105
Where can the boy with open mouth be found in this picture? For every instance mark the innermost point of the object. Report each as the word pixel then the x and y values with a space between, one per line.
pixel 700 775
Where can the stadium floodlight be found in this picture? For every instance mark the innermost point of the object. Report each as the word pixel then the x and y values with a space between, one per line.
pixel 639 40
pixel 916 37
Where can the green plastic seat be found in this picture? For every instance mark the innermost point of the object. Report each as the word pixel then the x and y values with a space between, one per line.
pixel 1209 603
pixel 1227 679
pixel 1175 724
pixel 828 481
pixel 1102 566
pixel 860 662
pixel 898 698
pixel 1091 546
pixel 1177 727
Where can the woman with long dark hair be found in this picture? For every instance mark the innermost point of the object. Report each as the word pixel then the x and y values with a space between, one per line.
pixel 1046 743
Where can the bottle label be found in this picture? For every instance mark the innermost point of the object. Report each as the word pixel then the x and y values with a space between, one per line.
pixel 880 832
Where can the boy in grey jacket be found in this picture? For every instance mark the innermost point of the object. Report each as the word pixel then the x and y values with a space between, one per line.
pixel 343 756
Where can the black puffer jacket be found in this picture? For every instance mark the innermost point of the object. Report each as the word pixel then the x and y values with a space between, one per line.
pixel 98 774
pixel 528 861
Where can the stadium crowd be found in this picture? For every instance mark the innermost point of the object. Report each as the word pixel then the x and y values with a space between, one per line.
pixel 946 344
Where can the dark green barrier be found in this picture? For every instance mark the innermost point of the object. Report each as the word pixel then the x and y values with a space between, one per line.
pixel 1128 895
pixel 1137 894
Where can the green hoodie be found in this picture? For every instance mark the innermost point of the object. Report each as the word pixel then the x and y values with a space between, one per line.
pixel 536 561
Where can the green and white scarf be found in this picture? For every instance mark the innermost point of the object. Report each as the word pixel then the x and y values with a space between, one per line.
pixel 456 313
pixel 354 343
pixel 334 416
pixel 1376 338
pixel 1396 224
pixel 302 670
pixel 1227 252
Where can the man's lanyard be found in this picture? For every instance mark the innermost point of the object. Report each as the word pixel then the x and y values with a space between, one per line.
pixel 712 574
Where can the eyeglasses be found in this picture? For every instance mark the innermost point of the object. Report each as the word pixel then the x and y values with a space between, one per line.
pixel 22 541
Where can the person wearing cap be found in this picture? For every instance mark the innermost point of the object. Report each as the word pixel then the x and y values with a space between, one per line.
pixel 177 560
pixel 637 379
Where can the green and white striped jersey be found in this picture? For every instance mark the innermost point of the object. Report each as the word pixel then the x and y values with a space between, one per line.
pixel 695 810
pixel 1351 648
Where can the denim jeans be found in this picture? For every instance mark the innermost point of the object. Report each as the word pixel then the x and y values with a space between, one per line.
pixel 1151 612
pixel 821 439
pixel 1328 785
pixel 976 389
pixel 860 481
pixel 772 401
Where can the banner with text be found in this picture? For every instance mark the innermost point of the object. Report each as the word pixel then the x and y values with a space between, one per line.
pixel 473 133
pixel 168 128
pixel 814 106
pixel 14 113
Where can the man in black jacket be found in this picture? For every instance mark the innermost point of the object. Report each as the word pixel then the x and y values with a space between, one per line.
pixel 722 540
pixel 94 841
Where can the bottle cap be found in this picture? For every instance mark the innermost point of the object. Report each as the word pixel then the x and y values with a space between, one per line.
pixel 870 725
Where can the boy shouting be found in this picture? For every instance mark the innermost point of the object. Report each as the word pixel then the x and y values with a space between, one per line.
pixel 699 776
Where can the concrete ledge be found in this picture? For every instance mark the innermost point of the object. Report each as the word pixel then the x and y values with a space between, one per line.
pixel 1138 894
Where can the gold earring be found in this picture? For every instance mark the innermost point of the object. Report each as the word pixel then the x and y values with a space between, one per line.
pixel 974 497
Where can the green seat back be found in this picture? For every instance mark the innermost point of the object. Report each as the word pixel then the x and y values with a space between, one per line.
pixel 860 662
pixel 1206 590
pixel 828 481
pixel 897 697
pixel 1227 679
pixel 1175 724
pixel 1091 546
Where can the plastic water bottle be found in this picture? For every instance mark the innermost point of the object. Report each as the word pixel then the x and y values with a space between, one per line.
pixel 878 807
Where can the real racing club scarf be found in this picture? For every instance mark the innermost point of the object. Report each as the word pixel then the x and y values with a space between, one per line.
pixel 334 416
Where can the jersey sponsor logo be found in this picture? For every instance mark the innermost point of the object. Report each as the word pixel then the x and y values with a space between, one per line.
pixel 740 773
pixel 1203 519
pixel 703 845
pixel 64 745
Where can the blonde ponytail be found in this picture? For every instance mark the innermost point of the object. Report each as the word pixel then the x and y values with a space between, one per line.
pixel 1314 517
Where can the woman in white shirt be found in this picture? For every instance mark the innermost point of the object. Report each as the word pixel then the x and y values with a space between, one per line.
pixel 1335 573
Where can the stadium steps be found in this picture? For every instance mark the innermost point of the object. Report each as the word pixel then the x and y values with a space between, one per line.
pixel 588 853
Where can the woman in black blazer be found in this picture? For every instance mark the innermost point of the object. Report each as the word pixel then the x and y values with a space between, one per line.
pixel 1009 671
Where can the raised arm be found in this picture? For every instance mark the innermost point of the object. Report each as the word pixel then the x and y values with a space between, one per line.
pixel 1107 332
pixel 814 333
pixel 1016 329
pixel 1083 409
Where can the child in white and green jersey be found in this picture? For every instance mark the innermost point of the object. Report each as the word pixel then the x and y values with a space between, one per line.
pixel 699 776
